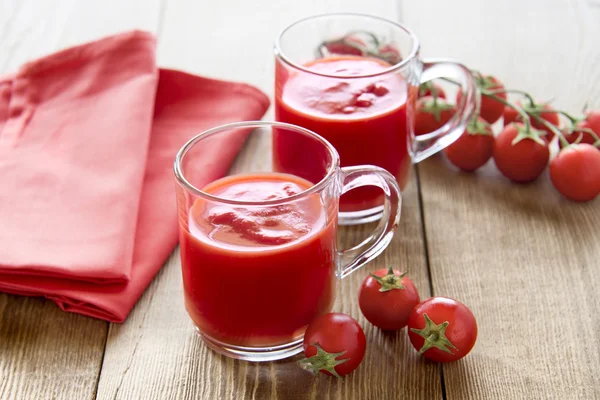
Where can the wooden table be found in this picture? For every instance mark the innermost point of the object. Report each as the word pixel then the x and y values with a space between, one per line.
pixel 522 257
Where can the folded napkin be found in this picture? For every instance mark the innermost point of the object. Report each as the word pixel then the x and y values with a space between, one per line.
pixel 88 137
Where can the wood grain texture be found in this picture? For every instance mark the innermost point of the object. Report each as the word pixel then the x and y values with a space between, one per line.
pixel 46 353
pixel 521 256
pixel 155 353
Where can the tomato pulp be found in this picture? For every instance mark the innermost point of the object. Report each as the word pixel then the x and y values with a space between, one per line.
pixel 258 275
pixel 364 118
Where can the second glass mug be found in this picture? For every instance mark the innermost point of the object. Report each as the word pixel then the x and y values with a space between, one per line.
pixel 354 79
pixel 259 247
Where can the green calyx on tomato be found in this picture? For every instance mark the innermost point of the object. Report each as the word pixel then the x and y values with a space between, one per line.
pixel 478 126
pixel 580 131
pixel 323 361
pixel 528 132
pixel 485 82
pixel 428 87
pixel 535 109
pixel 390 281
pixel 436 107
pixel 435 336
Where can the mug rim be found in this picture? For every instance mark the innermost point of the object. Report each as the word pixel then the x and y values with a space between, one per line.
pixel 405 61
pixel 317 187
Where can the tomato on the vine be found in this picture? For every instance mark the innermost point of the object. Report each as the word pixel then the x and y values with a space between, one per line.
pixel 442 329
pixel 334 344
pixel 473 148
pixel 549 116
pixel 389 53
pixel 521 154
pixel 428 89
pixel 348 45
pixel 431 114
pixel 510 115
pixel 591 122
pixel 575 172
pixel 386 298
pixel 491 110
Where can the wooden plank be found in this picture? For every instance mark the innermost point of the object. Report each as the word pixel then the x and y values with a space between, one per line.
pixel 46 353
pixel 155 353
pixel 524 259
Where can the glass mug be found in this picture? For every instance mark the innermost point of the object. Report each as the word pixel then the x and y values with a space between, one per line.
pixel 354 80
pixel 258 247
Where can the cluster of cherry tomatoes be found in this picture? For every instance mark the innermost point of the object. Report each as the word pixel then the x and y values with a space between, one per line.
pixel 521 151
pixel 439 328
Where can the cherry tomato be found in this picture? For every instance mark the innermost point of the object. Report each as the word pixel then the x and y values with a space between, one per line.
pixel 575 172
pixel 519 154
pixel 432 115
pixel 491 110
pixel 551 117
pixel 592 119
pixel 426 89
pixel 386 299
pixel 473 148
pixel 390 53
pixel 334 344
pixel 592 122
pixel 442 329
pixel 348 45
pixel 510 115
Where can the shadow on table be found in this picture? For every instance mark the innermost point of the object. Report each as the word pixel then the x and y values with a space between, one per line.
pixel 445 185
pixel 391 367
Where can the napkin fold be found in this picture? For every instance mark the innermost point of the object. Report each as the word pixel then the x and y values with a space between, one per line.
pixel 88 138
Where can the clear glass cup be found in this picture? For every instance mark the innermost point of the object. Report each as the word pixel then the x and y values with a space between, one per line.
pixel 354 79
pixel 258 247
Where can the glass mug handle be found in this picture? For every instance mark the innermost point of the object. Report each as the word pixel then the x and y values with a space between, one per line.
pixel 366 175
pixel 429 144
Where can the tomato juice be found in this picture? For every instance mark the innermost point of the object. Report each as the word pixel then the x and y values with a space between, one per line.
pixel 364 118
pixel 257 275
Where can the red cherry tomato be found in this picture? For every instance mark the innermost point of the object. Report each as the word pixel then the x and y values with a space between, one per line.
pixel 442 329
pixel 432 115
pixel 519 154
pixel 473 148
pixel 348 45
pixel 551 117
pixel 334 344
pixel 592 122
pixel 386 299
pixel 510 115
pixel 427 88
pixel 491 110
pixel 575 172
pixel 390 53
pixel 592 118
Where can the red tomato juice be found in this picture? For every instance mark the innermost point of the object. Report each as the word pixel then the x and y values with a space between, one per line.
pixel 365 118
pixel 258 275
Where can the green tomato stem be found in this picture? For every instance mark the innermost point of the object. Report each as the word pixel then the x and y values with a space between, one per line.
pixel 521 92
pixel 554 130
pixel 477 73
pixel 370 34
pixel 571 118
pixel 525 115
pixel 590 132
pixel 452 81
pixel 518 109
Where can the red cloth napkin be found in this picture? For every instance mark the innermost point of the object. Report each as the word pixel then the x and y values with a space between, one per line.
pixel 88 137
